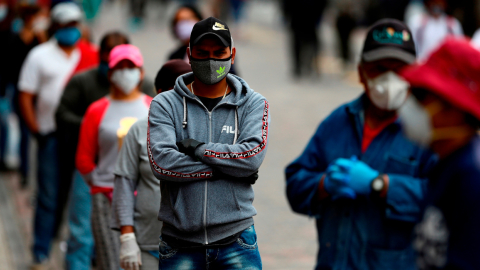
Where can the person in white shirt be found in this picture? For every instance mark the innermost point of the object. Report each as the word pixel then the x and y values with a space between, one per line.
pixel 476 39
pixel 43 76
pixel 431 28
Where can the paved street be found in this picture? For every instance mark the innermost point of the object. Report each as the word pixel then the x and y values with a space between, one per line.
pixel 286 240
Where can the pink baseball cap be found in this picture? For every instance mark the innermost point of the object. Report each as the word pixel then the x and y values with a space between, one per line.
pixel 125 52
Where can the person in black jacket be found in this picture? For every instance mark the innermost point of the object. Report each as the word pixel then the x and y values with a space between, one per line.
pixel 81 91
pixel 19 45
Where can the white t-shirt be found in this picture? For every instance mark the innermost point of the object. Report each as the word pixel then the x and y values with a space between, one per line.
pixel 45 73
pixel 476 39
pixel 429 32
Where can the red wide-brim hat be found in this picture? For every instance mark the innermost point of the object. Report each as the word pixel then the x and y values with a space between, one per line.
pixel 452 72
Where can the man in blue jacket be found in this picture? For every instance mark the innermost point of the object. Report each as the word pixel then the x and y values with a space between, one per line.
pixel 359 176
pixel 206 140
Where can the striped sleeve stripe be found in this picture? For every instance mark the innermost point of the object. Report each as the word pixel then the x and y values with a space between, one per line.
pixel 166 172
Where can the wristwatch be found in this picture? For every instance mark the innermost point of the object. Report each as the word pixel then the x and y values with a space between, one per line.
pixel 379 185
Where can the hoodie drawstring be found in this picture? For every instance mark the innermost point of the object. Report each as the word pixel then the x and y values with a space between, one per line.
pixel 184 123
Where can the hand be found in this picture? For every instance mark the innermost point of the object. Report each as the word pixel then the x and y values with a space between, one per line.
pixel 360 175
pixel 336 183
pixel 130 258
pixel 251 179
pixel 188 147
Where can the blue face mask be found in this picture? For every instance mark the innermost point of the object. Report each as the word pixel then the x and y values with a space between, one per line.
pixel 103 69
pixel 68 36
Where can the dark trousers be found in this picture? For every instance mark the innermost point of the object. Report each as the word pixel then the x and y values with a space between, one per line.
pixel 67 144
pixel 345 25
pixel 305 47
pixel 46 206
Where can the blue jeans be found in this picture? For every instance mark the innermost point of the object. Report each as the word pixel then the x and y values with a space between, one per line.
pixel 47 180
pixel 80 242
pixel 241 254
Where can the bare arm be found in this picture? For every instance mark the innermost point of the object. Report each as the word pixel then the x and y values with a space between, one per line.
pixel 126 229
pixel 27 107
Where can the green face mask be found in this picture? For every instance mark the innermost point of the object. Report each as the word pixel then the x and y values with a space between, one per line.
pixel 211 70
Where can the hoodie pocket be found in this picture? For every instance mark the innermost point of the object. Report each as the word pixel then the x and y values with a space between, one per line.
pixel 187 200
pixel 222 203
pixel 234 196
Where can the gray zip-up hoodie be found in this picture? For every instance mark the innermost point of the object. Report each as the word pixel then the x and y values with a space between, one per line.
pixel 196 207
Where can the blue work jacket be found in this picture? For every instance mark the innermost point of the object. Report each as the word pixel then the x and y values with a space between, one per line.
pixel 368 232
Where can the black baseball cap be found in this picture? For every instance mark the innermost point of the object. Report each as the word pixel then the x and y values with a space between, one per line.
pixel 389 38
pixel 211 26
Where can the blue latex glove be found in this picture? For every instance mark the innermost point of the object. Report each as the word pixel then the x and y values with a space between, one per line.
pixel 360 174
pixel 336 183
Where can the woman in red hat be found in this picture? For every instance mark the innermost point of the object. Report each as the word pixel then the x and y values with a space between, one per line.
pixel 443 113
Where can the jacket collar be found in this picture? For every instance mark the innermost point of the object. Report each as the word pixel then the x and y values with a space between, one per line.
pixel 357 106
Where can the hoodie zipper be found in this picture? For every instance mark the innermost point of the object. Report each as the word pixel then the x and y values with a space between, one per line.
pixel 206 182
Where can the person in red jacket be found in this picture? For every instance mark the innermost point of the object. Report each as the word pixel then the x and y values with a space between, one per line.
pixel 104 125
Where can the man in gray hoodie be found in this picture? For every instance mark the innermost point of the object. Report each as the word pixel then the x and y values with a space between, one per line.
pixel 206 142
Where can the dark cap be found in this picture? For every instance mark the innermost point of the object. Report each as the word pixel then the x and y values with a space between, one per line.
pixel 211 26
pixel 389 38
pixel 167 75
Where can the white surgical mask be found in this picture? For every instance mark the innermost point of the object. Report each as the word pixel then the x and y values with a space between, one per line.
pixel 416 122
pixel 126 79
pixel 387 91
pixel 41 24
pixel 183 29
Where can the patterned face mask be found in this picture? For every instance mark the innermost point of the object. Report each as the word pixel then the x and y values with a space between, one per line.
pixel 210 71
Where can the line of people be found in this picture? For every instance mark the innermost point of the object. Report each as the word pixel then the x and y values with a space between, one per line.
pixel 396 166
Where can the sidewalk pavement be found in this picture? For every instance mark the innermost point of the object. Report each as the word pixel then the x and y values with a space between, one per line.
pixel 15 220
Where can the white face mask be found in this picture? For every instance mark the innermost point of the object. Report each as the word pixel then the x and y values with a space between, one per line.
pixel 416 122
pixel 41 24
pixel 126 79
pixel 183 29
pixel 387 91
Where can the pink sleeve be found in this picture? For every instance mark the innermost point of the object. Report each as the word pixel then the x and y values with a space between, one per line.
pixel 147 99
pixel 87 149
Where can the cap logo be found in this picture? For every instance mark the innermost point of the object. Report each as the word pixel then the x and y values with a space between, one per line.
pixel 389 35
pixel 218 26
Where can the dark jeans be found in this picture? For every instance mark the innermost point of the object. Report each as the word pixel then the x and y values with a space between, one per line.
pixel 80 242
pixel 66 162
pixel 241 254
pixel 47 179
